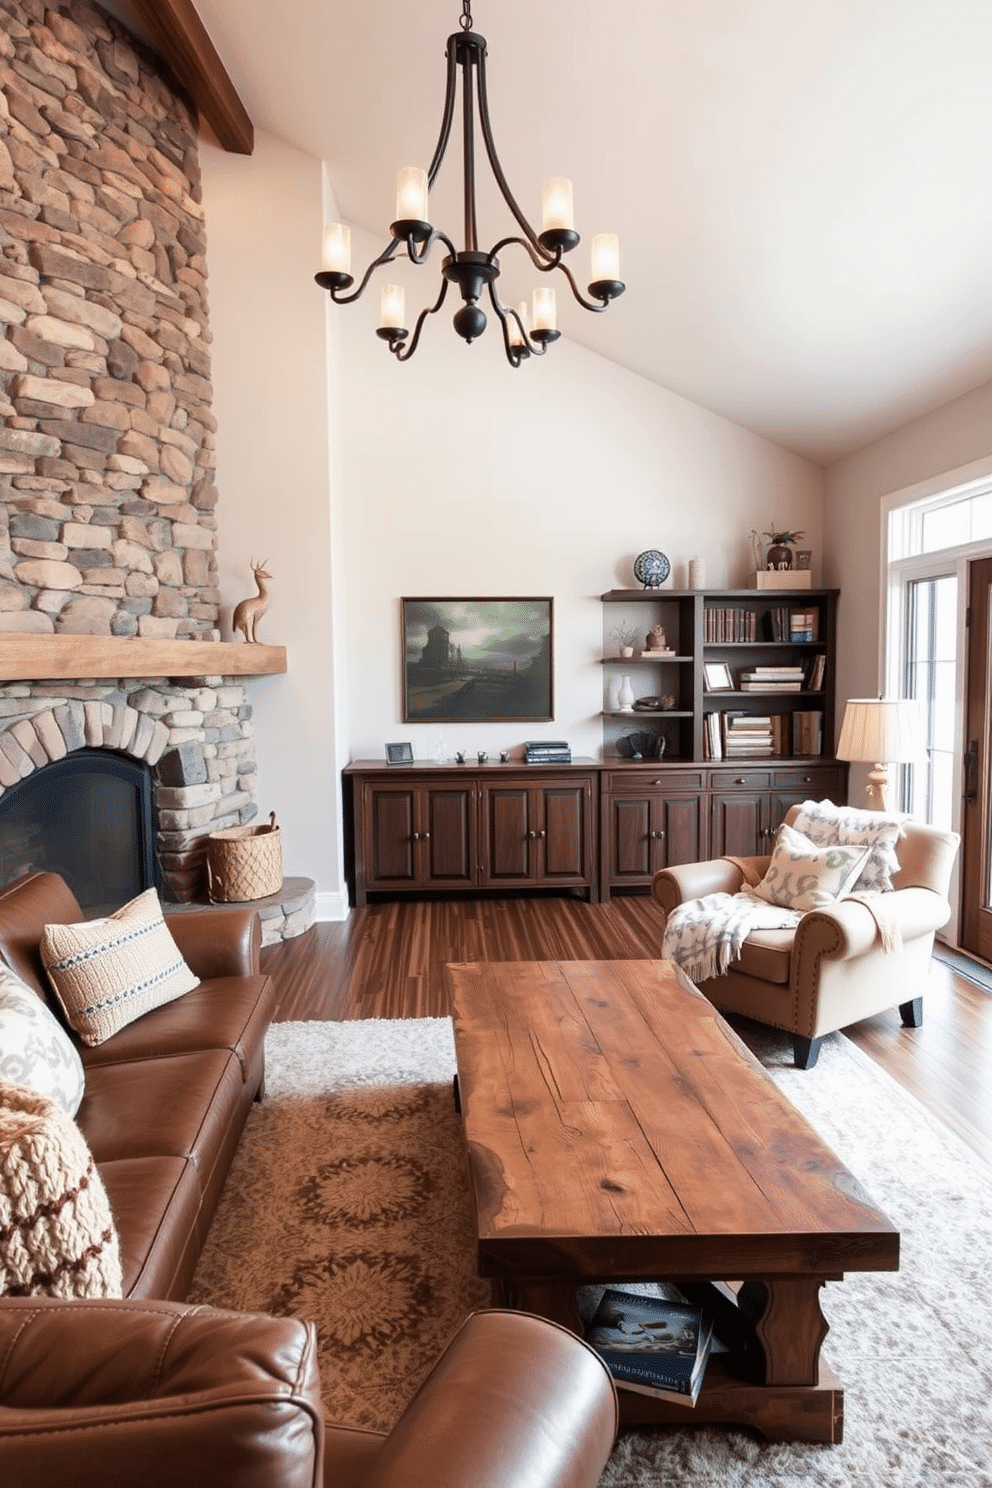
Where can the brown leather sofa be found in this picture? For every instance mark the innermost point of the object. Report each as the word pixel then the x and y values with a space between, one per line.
pixel 167 1097
pixel 99 1394
pixel 833 968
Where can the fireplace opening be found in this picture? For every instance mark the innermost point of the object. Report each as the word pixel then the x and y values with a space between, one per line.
pixel 88 817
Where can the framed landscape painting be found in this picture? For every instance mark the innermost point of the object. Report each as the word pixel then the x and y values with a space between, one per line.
pixel 477 660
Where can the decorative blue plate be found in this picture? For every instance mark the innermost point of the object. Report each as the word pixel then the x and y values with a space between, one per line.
pixel 651 568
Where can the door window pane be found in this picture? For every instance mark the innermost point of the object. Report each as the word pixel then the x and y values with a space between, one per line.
pixel 931 677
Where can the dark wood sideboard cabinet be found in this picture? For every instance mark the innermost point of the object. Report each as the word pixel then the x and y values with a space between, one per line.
pixel 676 783
pixel 424 827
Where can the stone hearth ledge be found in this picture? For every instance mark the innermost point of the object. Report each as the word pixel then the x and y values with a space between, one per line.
pixel 36 658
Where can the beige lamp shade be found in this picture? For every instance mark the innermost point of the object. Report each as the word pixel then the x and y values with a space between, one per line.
pixel 882 731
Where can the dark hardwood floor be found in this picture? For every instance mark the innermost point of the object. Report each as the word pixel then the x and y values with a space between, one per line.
pixel 387 961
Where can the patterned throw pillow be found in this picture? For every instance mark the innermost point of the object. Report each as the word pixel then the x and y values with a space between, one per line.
pixel 57 1234
pixel 109 972
pixel 825 824
pixel 35 1049
pixel 803 877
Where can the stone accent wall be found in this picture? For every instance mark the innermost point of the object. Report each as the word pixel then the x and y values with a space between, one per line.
pixel 196 737
pixel 107 491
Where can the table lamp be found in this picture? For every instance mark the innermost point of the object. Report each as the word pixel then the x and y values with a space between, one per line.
pixel 882 731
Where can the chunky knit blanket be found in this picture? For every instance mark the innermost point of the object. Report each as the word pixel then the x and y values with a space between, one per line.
pixel 705 935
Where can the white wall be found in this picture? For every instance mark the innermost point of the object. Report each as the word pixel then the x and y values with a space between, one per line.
pixel 941 441
pixel 271 367
pixel 363 480
pixel 463 477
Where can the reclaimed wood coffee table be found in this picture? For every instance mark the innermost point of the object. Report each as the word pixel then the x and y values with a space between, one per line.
pixel 618 1129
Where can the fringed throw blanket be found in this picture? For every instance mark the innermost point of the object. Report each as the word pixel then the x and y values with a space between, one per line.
pixel 705 935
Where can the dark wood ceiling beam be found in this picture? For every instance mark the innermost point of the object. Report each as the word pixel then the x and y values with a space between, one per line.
pixel 182 39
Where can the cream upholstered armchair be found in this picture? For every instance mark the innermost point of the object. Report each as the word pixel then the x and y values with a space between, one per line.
pixel 834 967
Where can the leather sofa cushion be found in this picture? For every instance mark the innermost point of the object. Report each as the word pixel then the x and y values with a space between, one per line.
pixel 766 954
pixel 224 1013
pixel 156 1203
pixel 175 1107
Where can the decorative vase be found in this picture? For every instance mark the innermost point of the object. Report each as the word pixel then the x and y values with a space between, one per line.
pixel 625 696
pixel 697 573
pixel 779 556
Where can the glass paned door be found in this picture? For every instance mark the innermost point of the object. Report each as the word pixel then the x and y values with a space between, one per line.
pixel 931 667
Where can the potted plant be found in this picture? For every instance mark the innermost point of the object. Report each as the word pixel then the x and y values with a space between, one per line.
pixel 780 542
pixel 624 635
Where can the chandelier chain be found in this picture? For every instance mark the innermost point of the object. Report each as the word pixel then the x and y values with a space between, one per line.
pixel 466 17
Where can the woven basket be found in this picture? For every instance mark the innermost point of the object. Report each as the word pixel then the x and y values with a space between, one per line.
pixel 244 863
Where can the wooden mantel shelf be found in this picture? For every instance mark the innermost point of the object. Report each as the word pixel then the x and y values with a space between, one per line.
pixel 38 658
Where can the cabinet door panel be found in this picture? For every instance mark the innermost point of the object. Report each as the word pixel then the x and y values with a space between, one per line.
pixel 508 820
pixel 565 849
pixel 392 848
pixel 738 823
pixel 684 828
pixel 631 842
pixel 451 837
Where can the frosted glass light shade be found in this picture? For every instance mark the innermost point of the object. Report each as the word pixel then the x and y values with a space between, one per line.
pixel 336 256
pixel 557 210
pixel 545 310
pixel 411 195
pixel 514 331
pixel 392 307
pixel 605 257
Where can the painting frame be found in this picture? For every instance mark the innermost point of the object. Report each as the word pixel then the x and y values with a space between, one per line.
pixel 478 659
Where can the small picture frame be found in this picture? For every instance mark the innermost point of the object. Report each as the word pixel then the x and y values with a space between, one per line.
pixel 716 675
pixel 399 754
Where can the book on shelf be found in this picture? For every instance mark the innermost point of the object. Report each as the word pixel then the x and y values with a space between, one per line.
pixel 652 1345
pixel 807 732
pixel 802 625
pixel 817 672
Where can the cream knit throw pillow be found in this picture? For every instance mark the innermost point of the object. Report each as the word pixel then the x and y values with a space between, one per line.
pixel 57 1234
pixel 109 972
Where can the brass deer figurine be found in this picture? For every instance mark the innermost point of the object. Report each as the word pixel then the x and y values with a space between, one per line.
pixel 248 613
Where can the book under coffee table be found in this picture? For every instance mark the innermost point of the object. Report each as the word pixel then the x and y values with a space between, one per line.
pixel 618 1130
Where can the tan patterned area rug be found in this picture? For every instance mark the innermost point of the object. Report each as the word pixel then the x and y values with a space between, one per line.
pixel 348 1203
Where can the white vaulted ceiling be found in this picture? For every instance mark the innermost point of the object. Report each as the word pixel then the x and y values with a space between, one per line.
pixel 802 188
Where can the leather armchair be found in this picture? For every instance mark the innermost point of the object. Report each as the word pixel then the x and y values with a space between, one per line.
pixel 832 969
pixel 105 1394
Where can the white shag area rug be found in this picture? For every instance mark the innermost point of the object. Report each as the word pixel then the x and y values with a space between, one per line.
pixel 348 1203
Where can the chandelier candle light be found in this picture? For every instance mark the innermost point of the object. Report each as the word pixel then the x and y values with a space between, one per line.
pixel 471 269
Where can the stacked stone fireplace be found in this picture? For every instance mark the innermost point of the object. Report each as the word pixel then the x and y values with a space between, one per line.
pixel 108 528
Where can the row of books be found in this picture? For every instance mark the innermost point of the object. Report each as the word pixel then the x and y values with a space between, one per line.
pixel 797 678
pixel 729 623
pixel 793 625
pixel 786 623
pixel 736 736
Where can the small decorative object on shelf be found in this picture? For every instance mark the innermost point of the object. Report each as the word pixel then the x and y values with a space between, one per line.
pixel 697 573
pixel 656 640
pixel 781 542
pixel 625 696
pixel 625 635
pixel 651 568
pixel 248 613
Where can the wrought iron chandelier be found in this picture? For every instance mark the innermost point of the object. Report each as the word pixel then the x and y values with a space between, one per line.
pixel 471 269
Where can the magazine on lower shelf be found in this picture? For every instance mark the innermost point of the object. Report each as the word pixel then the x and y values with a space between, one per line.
pixel 651 1345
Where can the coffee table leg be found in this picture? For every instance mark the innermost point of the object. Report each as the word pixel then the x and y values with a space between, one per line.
pixel 787 1320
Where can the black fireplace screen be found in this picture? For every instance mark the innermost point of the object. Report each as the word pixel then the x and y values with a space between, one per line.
pixel 88 817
